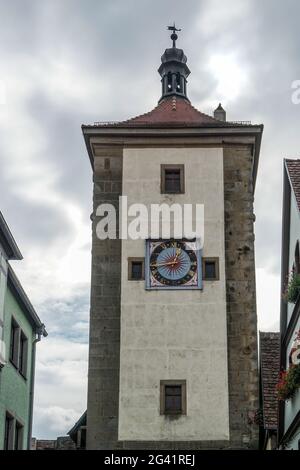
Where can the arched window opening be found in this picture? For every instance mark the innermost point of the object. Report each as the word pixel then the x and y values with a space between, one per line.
pixel 178 83
pixel 169 82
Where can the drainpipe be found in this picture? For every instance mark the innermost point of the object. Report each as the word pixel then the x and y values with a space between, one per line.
pixel 41 332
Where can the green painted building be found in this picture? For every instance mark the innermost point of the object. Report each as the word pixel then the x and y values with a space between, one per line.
pixel 20 330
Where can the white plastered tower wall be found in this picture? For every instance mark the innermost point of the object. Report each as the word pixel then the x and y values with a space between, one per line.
pixel 177 335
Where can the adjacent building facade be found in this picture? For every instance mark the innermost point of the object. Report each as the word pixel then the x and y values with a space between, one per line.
pixel 61 443
pixel 289 422
pixel 20 329
pixel 173 328
pixel 269 352
pixel 78 433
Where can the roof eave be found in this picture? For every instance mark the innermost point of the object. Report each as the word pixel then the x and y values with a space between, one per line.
pixel 8 241
pixel 22 298
pixel 77 425
pixel 131 124
pixel 256 155
pixel 212 129
pixel 285 236
pixel 88 147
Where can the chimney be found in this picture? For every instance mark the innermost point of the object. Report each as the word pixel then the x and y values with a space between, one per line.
pixel 220 113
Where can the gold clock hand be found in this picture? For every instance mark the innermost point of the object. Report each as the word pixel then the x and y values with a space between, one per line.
pixel 163 264
pixel 170 263
pixel 178 251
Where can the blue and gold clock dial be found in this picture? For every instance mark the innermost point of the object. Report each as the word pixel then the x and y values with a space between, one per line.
pixel 172 263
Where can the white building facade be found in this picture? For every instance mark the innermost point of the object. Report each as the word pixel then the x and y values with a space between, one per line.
pixel 289 422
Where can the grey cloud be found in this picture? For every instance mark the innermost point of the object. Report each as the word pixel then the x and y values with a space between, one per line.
pixel 67 317
pixel 65 146
pixel 35 223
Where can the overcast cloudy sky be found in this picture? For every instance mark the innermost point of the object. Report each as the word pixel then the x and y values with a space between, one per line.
pixel 68 62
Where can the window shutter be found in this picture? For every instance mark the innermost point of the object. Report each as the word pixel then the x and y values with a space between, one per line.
pixel 16 345
pixel 24 355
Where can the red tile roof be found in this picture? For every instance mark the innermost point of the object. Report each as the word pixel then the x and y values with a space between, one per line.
pixel 174 110
pixel 269 372
pixel 293 168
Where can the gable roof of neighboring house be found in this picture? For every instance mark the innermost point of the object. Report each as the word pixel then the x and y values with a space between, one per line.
pixel 81 422
pixel 269 375
pixel 293 170
pixel 21 297
pixel 8 241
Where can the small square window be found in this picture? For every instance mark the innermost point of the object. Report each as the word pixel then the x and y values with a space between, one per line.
pixel 136 269
pixel 172 179
pixel 211 269
pixel 172 397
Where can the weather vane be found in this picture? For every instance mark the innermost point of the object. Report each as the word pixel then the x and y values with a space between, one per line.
pixel 174 36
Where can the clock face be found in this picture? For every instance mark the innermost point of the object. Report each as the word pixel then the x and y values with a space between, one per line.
pixel 173 264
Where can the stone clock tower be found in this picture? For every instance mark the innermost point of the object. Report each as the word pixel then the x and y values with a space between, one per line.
pixel 173 340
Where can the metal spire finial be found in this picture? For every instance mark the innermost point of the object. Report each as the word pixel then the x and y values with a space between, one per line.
pixel 174 36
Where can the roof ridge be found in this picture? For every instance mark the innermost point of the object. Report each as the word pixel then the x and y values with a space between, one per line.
pixel 140 115
pixel 204 114
pixel 184 108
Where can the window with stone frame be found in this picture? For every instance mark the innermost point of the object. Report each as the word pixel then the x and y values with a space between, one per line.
pixel 173 397
pixel 136 269
pixel 172 179
pixel 210 269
